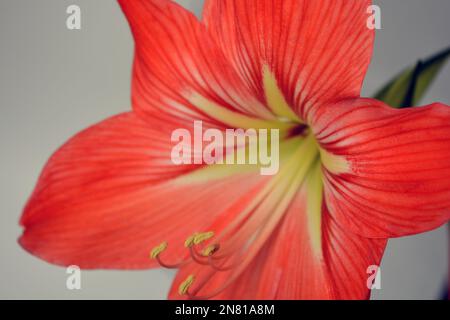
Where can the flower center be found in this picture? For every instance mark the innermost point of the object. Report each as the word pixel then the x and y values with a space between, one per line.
pixel 298 130
pixel 233 246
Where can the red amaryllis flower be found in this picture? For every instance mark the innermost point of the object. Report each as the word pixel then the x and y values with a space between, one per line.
pixel 354 172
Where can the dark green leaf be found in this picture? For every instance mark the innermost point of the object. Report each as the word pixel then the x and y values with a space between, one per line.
pixel 409 87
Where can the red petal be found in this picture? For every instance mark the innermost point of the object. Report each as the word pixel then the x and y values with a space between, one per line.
pixel 176 61
pixel 398 177
pixel 288 268
pixel 106 198
pixel 349 259
pixel 318 50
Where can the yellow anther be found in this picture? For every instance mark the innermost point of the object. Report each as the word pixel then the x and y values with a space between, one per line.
pixel 210 250
pixel 185 285
pixel 201 237
pixel 158 250
pixel 190 241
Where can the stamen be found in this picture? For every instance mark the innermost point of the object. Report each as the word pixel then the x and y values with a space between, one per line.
pixel 210 250
pixel 202 237
pixel 194 296
pixel 190 241
pixel 196 257
pixel 185 285
pixel 156 251
pixel 209 253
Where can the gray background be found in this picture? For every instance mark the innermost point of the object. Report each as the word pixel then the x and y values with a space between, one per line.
pixel 55 82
